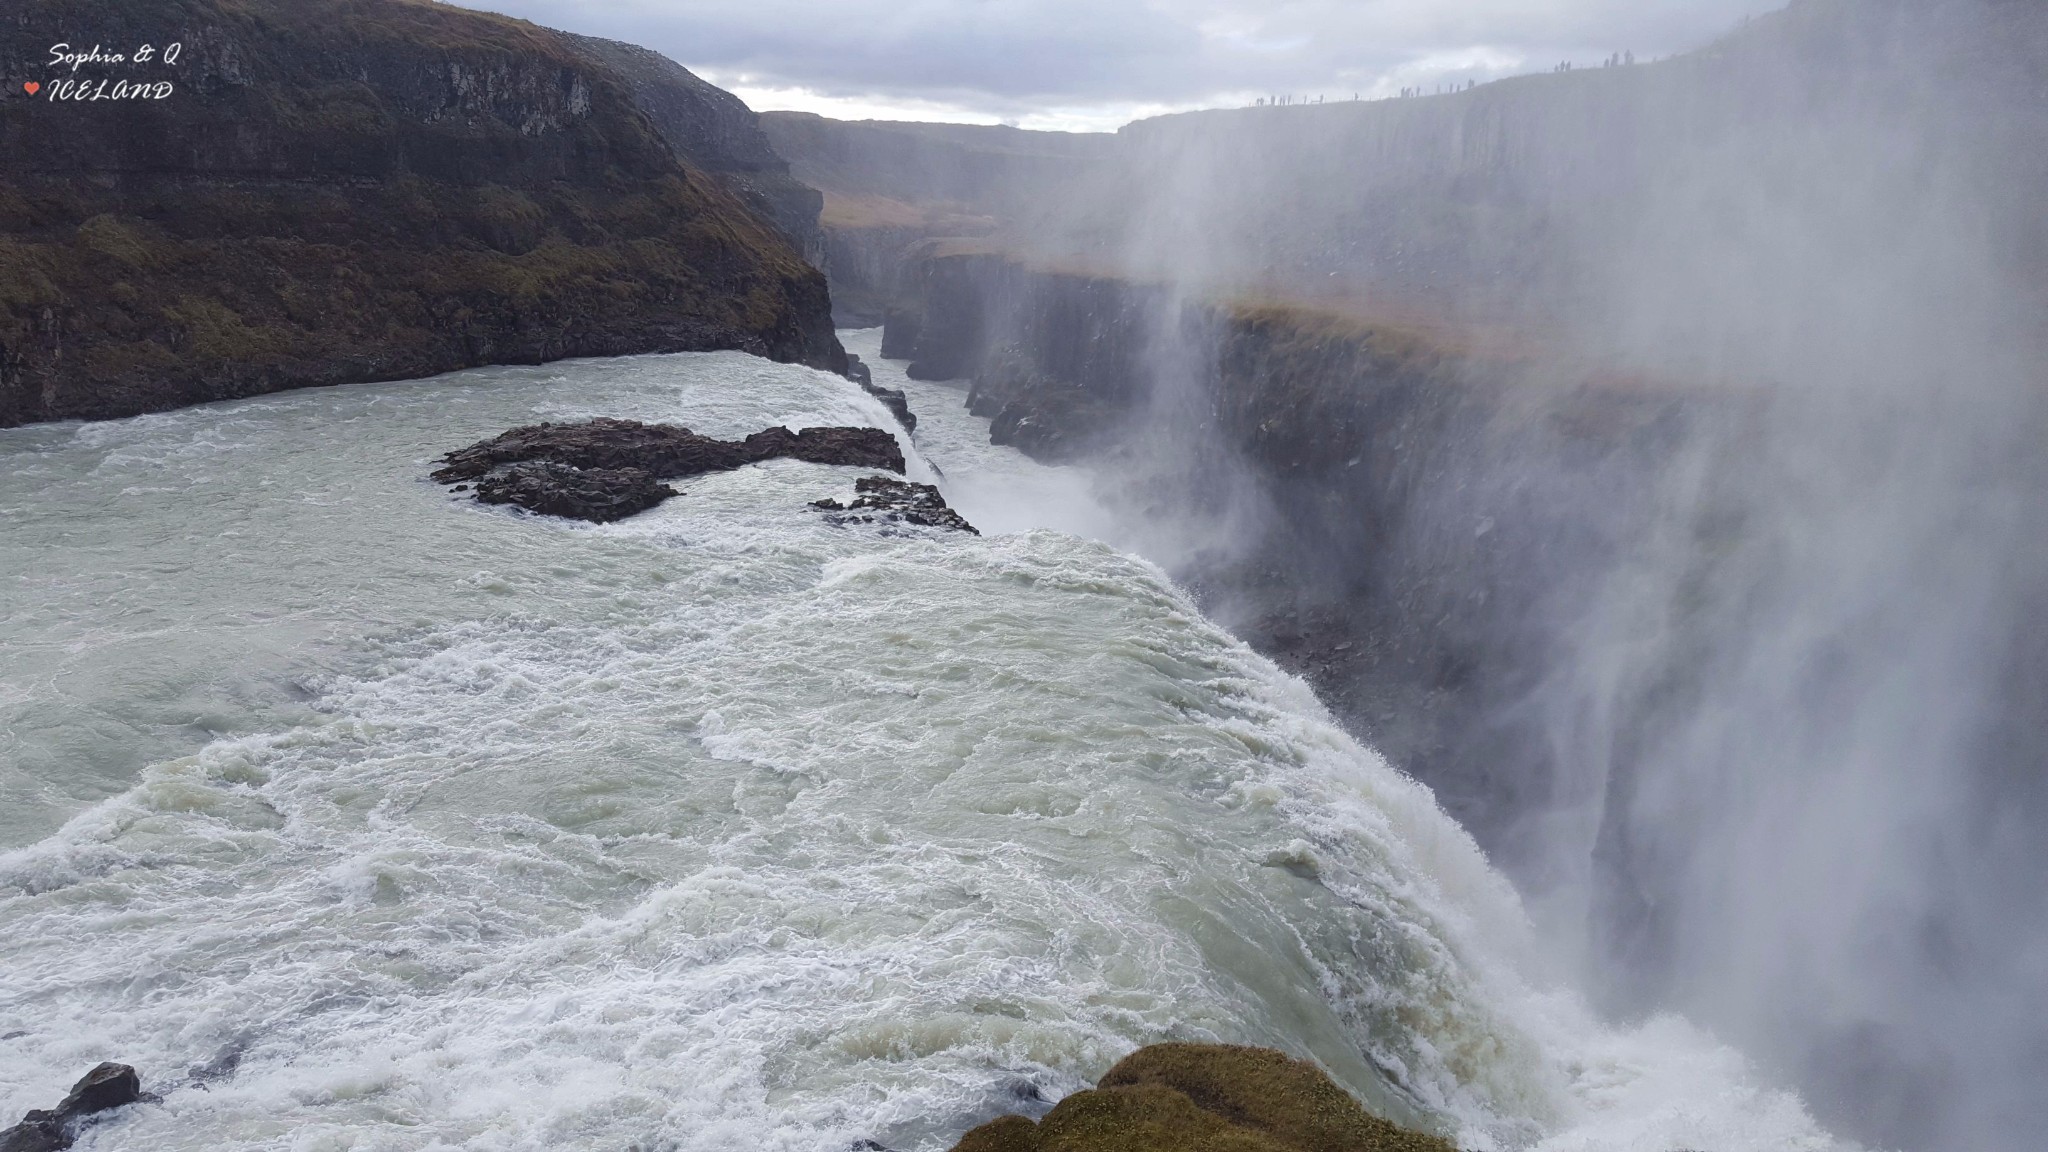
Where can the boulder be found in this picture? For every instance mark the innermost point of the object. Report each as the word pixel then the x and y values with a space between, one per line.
pixel 103 1089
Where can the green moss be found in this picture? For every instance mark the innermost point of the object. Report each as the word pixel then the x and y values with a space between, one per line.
pixel 1205 1098
pixel 215 331
pixel 25 283
pixel 1009 1134
pixel 126 240
pixel 508 219
pixel 131 358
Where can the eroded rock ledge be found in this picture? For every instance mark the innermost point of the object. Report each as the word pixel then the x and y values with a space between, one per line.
pixel 605 469
pixel 1180 1097
pixel 892 398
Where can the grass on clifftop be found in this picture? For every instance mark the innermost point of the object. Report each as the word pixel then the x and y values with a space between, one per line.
pixel 1205 1098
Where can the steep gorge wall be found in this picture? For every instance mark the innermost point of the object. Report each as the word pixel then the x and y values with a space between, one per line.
pixel 890 187
pixel 717 133
pixel 1432 516
pixel 346 190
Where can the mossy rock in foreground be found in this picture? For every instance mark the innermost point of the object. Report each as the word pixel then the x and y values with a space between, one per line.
pixel 1205 1098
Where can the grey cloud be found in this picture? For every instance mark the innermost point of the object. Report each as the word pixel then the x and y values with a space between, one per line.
pixel 1015 57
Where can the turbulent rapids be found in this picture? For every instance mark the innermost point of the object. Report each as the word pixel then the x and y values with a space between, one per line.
pixel 360 816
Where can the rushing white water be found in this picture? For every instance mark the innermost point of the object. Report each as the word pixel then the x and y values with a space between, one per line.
pixel 362 817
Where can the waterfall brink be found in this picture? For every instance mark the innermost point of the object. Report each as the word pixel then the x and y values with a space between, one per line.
pixel 724 824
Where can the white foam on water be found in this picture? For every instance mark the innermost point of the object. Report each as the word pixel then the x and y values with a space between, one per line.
pixel 725 827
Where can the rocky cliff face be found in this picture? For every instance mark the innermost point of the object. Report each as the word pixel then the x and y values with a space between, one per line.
pixel 1610 446
pixel 1549 196
pixel 717 133
pixel 890 187
pixel 1431 514
pixel 344 190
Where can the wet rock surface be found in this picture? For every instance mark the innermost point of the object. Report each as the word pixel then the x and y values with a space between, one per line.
pixel 892 398
pixel 601 495
pixel 604 469
pixel 880 499
pixel 1174 1097
pixel 101 1090
pixel 667 450
pixel 897 403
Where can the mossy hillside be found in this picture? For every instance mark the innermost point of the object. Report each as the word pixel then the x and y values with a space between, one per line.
pixel 1205 1098
pixel 487 195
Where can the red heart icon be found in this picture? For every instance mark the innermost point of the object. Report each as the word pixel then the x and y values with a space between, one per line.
pixel 31 87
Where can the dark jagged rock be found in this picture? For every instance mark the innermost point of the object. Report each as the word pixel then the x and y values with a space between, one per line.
pixel 898 405
pixel 892 398
pixel 1187 1097
pixel 1045 418
pixel 667 451
pixel 853 447
pixel 901 328
pixel 103 1089
pixel 896 402
pixel 601 495
pixel 898 502
pixel 352 190
pixel 605 469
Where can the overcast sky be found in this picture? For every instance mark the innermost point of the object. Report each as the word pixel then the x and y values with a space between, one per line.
pixel 1095 64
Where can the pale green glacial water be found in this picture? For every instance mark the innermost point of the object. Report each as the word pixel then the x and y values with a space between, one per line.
pixel 429 826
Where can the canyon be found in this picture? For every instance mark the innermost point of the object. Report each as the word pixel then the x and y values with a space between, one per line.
pixel 1536 425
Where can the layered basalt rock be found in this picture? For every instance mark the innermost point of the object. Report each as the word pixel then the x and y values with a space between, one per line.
pixel 605 469
pixel 352 190
pixel 1176 1097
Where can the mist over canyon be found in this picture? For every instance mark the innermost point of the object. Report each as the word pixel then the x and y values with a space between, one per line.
pixel 1647 457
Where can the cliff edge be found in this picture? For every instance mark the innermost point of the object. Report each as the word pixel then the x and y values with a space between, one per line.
pixel 330 191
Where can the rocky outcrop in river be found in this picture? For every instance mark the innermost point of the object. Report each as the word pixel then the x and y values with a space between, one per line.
pixel 335 191
pixel 879 498
pixel 605 469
